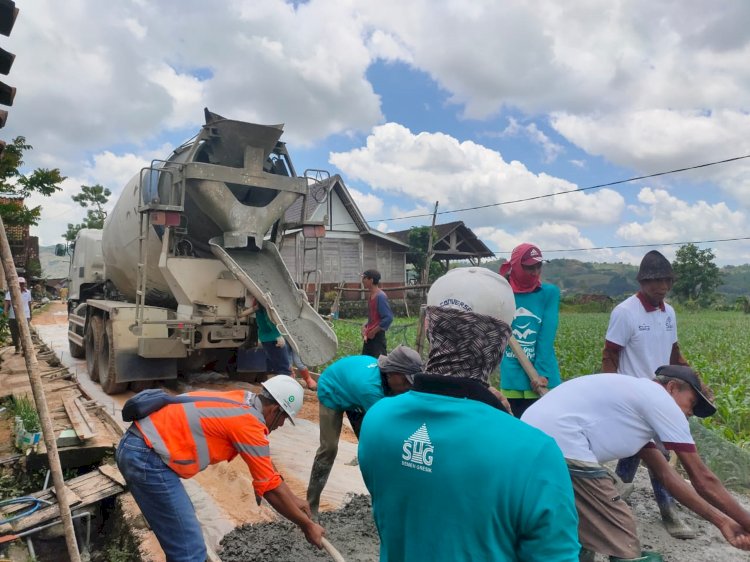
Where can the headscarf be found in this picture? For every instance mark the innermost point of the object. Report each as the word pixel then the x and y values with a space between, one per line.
pixel 520 280
pixel 464 344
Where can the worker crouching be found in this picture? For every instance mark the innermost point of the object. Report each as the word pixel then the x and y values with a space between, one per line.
pixel 180 440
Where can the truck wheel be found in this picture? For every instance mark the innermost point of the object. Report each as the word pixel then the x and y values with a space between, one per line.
pixel 93 342
pixel 107 372
pixel 76 351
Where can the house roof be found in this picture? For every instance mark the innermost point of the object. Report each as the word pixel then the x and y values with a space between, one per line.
pixel 317 198
pixel 453 241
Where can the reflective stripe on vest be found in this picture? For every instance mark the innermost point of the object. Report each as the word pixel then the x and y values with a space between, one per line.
pixel 194 415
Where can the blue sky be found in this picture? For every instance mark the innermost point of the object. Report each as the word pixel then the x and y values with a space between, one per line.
pixel 466 103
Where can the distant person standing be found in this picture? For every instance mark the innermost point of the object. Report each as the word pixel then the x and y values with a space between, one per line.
pixel 641 337
pixel 15 334
pixel 534 326
pixel 379 316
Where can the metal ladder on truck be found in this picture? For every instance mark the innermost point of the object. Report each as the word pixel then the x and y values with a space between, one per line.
pixel 312 232
pixel 153 211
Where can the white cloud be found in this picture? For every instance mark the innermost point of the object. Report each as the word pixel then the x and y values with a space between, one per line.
pixel 551 149
pixel 670 219
pixel 434 166
pixel 370 205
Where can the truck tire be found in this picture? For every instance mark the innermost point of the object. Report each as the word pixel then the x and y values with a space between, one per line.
pixel 93 341
pixel 107 371
pixel 76 351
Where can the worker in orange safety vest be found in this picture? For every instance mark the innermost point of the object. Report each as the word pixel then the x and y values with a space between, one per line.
pixel 179 440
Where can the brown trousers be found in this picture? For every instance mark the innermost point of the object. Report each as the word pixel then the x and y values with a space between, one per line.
pixel 605 522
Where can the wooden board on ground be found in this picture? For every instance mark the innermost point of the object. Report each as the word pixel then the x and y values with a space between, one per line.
pixel 82 423
pixel 84 490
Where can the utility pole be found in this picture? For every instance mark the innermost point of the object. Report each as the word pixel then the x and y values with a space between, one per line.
pixel 426 271
pixel 37 389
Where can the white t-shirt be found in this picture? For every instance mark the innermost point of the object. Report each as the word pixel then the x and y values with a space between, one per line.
pixel 25 297
pixel 600 418
pixel 646 337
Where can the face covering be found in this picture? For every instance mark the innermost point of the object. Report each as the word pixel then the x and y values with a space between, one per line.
pixel 520 281
pixel 464 344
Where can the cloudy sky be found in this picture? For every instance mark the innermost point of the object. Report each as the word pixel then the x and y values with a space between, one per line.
pixel 472 104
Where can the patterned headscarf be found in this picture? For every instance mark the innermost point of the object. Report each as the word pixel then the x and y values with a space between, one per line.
pixel 464 344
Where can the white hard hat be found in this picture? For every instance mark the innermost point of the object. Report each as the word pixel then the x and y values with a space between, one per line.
pixel 474 289
pixel 287 392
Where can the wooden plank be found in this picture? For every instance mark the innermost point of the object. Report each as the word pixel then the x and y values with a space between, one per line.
pixel 73 498
pixel 84 414
pixel 111 472
pixel 82 428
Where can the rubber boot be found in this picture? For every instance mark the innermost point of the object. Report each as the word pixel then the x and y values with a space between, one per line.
pixel 646 556
pixel 307 377
pixel 673 522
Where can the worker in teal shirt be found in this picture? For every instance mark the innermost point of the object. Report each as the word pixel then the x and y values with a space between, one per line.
pixel 352 385
pixel 534 327
pixel 452 476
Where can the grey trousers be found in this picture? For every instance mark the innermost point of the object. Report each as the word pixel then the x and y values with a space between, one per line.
pixel 330 422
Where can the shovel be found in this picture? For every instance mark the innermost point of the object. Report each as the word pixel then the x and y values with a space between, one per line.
pixel 525 363
pixel 330 549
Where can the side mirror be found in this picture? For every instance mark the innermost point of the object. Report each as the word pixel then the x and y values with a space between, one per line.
pixel 61 250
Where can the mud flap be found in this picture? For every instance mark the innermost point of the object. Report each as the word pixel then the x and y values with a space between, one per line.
pixel 265 276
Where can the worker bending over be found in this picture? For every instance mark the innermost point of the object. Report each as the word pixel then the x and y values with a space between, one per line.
pixel 180 440
pixel 599 418
pixel 453 477
pixel 352 385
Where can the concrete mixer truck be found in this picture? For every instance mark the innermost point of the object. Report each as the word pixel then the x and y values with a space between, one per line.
pixel 160 289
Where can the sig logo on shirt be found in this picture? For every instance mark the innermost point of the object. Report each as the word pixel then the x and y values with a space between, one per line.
pixel 668 325
pixel 418 450
pixel 644 328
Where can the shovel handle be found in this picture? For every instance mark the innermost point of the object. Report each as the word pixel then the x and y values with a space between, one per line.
pixel 330 549
pixel 525 363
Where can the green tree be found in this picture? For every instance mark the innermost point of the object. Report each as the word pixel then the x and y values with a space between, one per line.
pixel 419 242
pixel 697 276
pixel 18 186
pixel 92 198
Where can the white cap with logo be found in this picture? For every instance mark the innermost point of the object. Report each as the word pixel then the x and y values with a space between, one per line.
pixel 474 289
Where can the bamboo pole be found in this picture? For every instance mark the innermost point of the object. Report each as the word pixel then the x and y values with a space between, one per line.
pixel 37 389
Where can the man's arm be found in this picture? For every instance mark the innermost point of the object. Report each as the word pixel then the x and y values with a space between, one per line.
pixel 675 357
pixel 384 311
pixel 709 499
pixel 287 504
pixel 610 357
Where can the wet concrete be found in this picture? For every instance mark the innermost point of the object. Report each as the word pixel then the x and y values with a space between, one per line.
pixel 351 530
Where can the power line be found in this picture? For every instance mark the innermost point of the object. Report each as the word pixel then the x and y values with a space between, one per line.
pixel 526 199
pixel 696 242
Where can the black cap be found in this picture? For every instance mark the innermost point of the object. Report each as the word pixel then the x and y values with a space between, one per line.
pixel 703 407
pixel 654 266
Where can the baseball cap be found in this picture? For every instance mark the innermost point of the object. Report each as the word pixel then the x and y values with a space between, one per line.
pixel 532 255
pixel 474 289
pixel 22 280
pixel 402 360
pixel 703 407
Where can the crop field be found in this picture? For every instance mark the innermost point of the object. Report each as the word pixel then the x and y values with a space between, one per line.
pixel 717 344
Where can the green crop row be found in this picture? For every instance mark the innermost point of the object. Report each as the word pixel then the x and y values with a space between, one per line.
pixel 717 344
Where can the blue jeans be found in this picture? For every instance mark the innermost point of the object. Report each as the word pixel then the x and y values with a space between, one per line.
pixel 626 469
pixel 163 500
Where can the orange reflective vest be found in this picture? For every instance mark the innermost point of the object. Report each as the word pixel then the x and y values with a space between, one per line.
pixel 190 436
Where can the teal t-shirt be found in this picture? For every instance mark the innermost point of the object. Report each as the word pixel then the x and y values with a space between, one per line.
pixel 535 327
pixel 454 479
pixel 267 330
pixel 351 383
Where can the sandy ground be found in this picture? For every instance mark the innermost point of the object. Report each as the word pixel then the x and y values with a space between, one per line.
pixel 224 499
